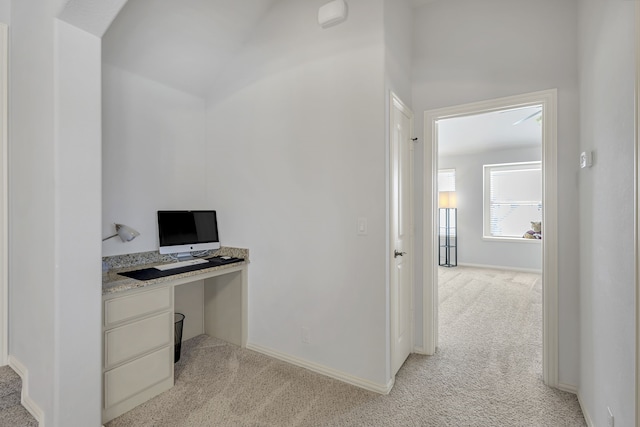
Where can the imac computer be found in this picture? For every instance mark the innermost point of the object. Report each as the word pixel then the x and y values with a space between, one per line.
pixel 184 232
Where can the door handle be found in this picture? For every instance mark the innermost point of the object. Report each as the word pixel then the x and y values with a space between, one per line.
pixel 396 254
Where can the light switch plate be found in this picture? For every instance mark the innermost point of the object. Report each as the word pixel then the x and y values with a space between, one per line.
pixel 362 226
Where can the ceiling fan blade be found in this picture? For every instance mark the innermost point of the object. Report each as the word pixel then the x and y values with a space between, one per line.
pixel 527 118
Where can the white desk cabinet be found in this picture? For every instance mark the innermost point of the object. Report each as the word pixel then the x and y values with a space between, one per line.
pixel 138 331
pixel 138 348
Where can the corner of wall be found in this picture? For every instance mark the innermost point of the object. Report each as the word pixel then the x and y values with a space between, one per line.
pixel 585 413
pixel 25 399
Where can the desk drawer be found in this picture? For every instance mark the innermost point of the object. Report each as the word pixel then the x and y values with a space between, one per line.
pixel 137 338
pixel 121 309
pixel 128 380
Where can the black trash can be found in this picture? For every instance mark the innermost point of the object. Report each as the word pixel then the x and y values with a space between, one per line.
pixel 178 318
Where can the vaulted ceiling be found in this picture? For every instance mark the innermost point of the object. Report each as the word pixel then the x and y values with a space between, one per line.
pixel 184 44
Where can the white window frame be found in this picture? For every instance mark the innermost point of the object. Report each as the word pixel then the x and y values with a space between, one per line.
pixel 486 220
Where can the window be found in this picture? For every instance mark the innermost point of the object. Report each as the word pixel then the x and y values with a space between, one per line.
pixel 512 198
pixel 446 180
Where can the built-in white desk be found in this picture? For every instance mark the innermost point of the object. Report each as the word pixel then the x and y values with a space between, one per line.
pixel 138 324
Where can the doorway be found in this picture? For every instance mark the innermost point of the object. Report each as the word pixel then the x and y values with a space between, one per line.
pixel 548 101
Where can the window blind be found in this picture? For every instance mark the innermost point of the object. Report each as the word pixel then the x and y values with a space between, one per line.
pixel 513 193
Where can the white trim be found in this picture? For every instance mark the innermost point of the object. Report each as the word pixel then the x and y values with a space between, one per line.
pixel 501 267
pixel 585 414
pixel 548 100
pixel 511 240
pixel 396 102
pixel 420 350
pixel 329 372
pixel 636 206
pixel 4 197
pixel 29 404
pixel 569 388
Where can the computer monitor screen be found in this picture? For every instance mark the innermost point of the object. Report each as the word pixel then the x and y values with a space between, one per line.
pixel 183 232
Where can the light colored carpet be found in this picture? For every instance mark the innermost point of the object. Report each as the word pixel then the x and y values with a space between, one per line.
pixel 487 372
pixel 12 413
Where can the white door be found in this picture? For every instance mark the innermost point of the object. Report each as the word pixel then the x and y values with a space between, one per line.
pixel 401 283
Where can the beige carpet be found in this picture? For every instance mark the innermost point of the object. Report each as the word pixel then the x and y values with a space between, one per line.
pixel 12 413
pixel 487 372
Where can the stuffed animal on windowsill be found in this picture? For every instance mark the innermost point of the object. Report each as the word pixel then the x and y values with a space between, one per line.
pixel 535 232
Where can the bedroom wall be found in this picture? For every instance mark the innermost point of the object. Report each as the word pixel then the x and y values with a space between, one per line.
pixel 153 156
pixel 296 145
pixel 472 248
pixel 509 47
pixel 607 273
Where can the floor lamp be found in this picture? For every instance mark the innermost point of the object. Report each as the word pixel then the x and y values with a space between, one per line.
pixel 448 230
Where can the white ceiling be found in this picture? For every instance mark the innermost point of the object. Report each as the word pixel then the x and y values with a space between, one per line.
pixel 489 131
pixel 182 44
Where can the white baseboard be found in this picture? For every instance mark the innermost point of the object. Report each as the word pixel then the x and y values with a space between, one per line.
pixel 568 388
pixel 420 350
pixel 501 267
pixel 25 398
pixel 587 418
pixel 329 372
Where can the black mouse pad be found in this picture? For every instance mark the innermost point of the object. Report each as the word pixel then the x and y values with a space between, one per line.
pixel 152 273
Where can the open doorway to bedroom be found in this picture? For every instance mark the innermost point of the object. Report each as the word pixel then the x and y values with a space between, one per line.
pixel 490 241
pixel 493 209
pixel 491 164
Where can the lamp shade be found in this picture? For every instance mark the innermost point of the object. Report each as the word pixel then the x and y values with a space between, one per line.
pixel 125 232
pixel 447 199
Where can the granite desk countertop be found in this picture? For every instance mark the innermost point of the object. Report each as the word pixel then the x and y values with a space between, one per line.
pixel 112 282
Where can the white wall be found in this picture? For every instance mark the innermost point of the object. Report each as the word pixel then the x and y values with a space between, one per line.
pixel 5 11
pixel 607 279
pixel 154 156
pixel 507 47
pixel 54 159
pixel 472 248
pixel 188 300
pixel 77 282
pixel 32 196
pixel 296 133
pixel 398 38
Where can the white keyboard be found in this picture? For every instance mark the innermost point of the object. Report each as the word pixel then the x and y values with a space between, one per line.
pixel 179 264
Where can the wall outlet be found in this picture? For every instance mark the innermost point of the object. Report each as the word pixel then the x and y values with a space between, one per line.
pixel 304 335
pixel 586 159
pixel 610 421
